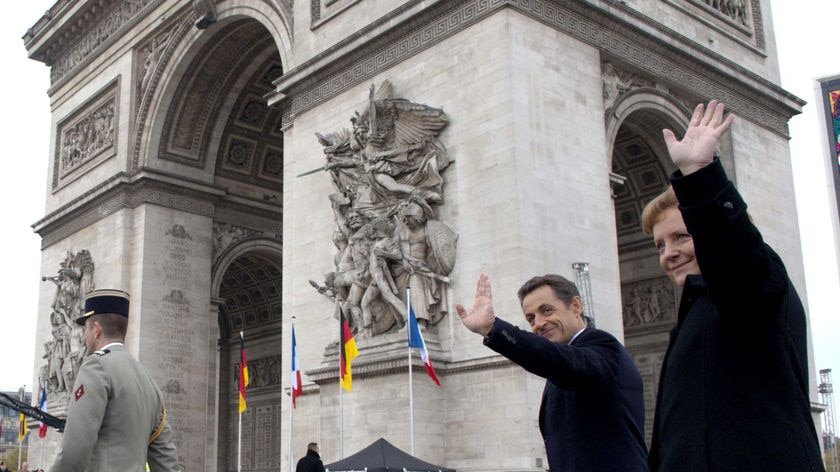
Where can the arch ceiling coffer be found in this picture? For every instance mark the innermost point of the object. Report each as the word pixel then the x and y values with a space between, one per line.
pixel 252 292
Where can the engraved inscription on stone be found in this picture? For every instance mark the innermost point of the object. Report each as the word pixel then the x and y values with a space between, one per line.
pixel 177 267
pixel 175 337
pixel 278 426
pixel 649 365
pixel 263 436
pixel 175 328
pixel 248 438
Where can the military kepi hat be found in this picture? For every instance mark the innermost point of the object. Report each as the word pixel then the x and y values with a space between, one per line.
pixel 104 301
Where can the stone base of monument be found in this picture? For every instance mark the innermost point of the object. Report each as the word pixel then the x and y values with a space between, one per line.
pixel 379 404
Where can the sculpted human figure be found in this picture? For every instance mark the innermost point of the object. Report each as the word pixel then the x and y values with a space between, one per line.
pixel 423 280
pixel 60 351
pixel 352 277
pixel 382 282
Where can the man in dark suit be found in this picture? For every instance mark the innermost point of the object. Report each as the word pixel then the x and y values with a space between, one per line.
pixel 311 462
pixel 592 412
pixel 733 393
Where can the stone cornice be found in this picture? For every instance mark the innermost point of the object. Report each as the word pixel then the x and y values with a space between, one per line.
pixel 158 188
pixel 620 32
pixel 398 363
pixel 73 33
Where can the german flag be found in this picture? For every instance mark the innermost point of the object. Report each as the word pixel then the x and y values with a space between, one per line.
pixel 243 373
pixel 347 351
pixel 22 428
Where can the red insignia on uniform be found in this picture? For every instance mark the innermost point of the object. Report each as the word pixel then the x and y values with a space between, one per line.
pixel 79 392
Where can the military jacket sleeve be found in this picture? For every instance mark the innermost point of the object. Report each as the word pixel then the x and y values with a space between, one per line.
pixel 88 403
pixel 162 456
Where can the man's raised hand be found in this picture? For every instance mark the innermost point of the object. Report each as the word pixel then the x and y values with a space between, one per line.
pixel 480 318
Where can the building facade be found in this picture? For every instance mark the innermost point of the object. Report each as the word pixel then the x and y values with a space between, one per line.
pixel 234 164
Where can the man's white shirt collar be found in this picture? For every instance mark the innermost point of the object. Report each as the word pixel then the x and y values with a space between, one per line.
pixel 576 335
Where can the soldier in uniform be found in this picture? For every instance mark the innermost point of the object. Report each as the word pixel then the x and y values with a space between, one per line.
pixel 116 419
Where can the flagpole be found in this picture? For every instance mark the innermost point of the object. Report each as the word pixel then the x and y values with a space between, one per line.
pixel 239 435
pixel 21 438
pixel 292 409
pixel 410 373
pixel 340 393
pixel 41 456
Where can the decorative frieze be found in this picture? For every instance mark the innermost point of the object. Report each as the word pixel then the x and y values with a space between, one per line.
pixel 120 19
pixel 87 137
pixel 649 303
pixel 768 106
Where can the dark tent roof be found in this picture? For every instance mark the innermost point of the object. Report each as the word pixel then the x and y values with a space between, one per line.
pixel 382 456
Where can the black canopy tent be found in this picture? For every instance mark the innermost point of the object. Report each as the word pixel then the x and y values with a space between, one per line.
pixel 382 456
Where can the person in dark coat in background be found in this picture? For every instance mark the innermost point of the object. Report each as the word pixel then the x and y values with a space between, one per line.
pixel 311 462
pixel 733 393
pixel 592 412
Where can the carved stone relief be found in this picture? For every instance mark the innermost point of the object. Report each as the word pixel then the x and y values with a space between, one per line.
pixel 262 372
pixel 151 56
pixel 323 10
pixel 89 134
pixel 649 302
pixel 617 82
pixel 66 350
pixel 387 174
pixel 737 10
pixel 225 234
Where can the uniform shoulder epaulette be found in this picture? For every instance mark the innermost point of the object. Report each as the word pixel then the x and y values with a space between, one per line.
pixel 101 352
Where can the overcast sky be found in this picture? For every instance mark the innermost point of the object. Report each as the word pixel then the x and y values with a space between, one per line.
pixel 804 36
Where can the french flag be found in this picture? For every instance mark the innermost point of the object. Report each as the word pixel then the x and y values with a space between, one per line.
pixel 415 339
pixel 297 385
pixel 42 429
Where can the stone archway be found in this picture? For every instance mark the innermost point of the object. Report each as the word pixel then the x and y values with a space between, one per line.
pixel 649 298
pixel 248 284
pixel 215 131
